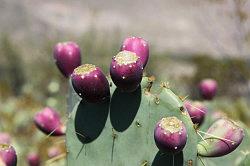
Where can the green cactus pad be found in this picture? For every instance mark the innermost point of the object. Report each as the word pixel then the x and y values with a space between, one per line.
pixel 121 132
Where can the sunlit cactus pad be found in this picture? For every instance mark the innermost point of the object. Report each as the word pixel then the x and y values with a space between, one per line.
pixel 121 132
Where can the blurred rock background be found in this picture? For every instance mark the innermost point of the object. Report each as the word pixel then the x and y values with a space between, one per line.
pixel 189 40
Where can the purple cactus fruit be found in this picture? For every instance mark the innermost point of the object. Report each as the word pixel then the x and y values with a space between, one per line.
pixel 170 135
pixel 196 110
pixel 53 151
pixel 49 121
pixel 126 71
pixel 67 56
pixel 137 45
pixel 8 155
pixel 223 137
pixel 33 159
pixel 208 88
pixel 90 83
pixel 5 138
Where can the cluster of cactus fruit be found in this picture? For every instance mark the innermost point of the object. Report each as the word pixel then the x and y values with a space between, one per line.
pixel 127 97
pixel 123 119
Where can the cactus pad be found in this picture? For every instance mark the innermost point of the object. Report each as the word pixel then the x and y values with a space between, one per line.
pixel 120 132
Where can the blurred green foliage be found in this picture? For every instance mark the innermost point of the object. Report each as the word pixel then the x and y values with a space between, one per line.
pixel 237 109
pixel 17 120
pixel 12 70
pixel 229 73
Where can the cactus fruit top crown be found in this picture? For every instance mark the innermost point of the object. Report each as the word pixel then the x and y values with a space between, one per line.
pixel 4 146
pixel 171 124
pixel 126 57
pixel 84 69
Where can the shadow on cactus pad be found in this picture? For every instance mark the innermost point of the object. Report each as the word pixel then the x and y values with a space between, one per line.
pixel 123 109
pixel 162 159
pixel 90 120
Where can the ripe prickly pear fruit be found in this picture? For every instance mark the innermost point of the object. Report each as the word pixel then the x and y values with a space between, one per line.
pixel 5 138
pixel 126 71
pixel 170 135
pixel 208 88
pixel 33 159
pixel 49 121
pixel 67 56
pixel 223 137
pixel 137 45
pixel 196 110
pixel 90 83
pixel 8 155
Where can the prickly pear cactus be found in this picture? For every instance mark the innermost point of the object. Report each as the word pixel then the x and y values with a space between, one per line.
pixel 120 132
pixel 127 125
